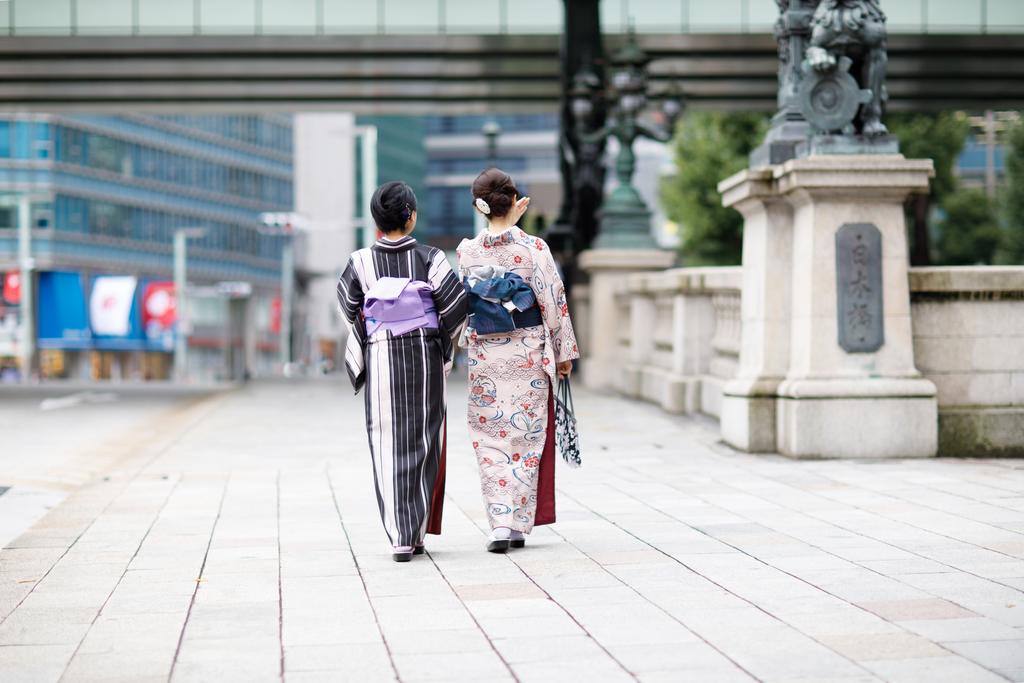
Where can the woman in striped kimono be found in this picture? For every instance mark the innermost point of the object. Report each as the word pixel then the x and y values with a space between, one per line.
pixel 519 337
pixel 404 306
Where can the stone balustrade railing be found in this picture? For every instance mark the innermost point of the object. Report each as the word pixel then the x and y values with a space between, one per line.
pixel 681 336
pixel 679 342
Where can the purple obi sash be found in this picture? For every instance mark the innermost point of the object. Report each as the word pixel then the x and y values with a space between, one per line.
pixel 399 305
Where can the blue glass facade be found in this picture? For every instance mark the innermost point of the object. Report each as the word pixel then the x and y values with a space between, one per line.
pixel 440 155
pixel 974 159
pixel 114 189
pixel 526 148
pixel 471 124
pixel 107 194
pixel 401 155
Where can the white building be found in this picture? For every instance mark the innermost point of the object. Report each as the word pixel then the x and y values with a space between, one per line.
pixel 325 196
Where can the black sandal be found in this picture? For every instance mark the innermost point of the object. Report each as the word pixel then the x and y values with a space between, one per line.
pixel 499 546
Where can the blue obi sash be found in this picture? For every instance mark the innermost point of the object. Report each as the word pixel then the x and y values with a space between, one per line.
pixel 501 303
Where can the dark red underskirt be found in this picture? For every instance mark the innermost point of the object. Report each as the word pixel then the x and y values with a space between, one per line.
pixel 437 499
pixel 546 484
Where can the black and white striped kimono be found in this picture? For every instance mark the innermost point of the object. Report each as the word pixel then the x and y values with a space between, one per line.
pixel 405 379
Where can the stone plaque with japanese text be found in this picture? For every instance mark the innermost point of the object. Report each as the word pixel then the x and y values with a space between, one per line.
pixel 859 287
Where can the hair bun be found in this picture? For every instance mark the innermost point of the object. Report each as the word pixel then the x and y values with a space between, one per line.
pixel 495 188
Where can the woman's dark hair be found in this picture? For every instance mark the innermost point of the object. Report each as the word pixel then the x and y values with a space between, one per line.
pixel 392 206
pixel 495 187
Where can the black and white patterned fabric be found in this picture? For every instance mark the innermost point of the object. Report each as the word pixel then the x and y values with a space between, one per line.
pixel 404 377
pixel 567 438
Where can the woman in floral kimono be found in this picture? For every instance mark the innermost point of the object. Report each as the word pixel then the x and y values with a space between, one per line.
pixel 404 305
pixel 519 337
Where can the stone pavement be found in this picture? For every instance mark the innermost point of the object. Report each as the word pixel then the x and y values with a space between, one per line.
pixel 237 539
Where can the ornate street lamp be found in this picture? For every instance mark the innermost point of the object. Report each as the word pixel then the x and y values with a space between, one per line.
pixel 625 218
pixel 491 130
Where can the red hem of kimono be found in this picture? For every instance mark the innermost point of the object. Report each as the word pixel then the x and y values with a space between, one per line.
pixel 546 477
pixel 437 498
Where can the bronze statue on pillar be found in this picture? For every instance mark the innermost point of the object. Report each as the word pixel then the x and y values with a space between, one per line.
pixel 855 30
pixel 789 127
pixel 842 90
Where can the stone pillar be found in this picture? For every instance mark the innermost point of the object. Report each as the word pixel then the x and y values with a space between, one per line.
pixel 748 402
pixel 608 269
pixel 846 397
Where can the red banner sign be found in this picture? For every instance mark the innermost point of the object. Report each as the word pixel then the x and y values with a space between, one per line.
pixel 159 306
pixel 275 315
pixel 12 287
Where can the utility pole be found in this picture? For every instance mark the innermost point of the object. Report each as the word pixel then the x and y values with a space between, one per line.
pixel 285 225
pixel 990 154
pixel 182 324
pixel 287 294
pixel 27 341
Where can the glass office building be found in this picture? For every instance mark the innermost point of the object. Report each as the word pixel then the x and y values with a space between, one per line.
pixel 106 195
pixel 439 156
pixel 401 155
pixel 526 148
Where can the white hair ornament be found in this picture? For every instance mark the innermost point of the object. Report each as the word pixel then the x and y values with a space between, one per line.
pixel 482 206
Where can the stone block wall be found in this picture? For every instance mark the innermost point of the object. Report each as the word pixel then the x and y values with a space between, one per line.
pixel 969 340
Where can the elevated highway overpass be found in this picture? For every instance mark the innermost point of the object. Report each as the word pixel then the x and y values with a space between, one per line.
pixel 400 56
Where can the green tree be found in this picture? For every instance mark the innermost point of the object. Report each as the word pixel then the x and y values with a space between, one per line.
pixel 969 232
pixel 709 147
pixel 939 137
pixel 1012 200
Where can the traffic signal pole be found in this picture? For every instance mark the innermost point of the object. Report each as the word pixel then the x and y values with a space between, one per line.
pixel 27 341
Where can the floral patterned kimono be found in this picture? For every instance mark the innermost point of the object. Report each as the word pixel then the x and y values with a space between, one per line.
pixel 511 374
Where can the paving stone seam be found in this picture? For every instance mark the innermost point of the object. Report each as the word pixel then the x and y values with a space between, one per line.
pixel 852 562
pixel 932 487
pixel 195 591
pixel 932 532
pixel 511 558
pixel 135 553
pixel 790 574
pixel 962 515
pixel 359 573
pixel 196 410
pixel 101 458
pixel 888 494
pixel 1011 464
pixel 867 511
pixel 280 590
pixel 472 616
pixel 651 602
pixel 708 578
